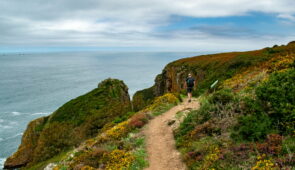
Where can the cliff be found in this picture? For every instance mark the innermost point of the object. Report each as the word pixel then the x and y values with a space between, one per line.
pixel 71 124
pixel 206 69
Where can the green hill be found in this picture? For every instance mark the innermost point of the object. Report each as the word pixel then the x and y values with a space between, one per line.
pixel 206 69
pixel 74 122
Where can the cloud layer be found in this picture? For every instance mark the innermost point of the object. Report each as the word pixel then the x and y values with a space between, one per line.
pixel 154 24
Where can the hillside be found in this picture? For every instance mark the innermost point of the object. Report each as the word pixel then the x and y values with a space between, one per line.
pixel 245 122
pixel 248 121
pixel 119 145
pixel 207 69
pixel 74 122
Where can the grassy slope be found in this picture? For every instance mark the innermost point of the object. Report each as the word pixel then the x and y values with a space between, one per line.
pixel 75 121
pixel 249 121
pixel 120 145
pixel 206 69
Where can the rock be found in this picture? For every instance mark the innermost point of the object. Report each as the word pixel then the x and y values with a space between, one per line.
pixel 171 122
pixel 50 166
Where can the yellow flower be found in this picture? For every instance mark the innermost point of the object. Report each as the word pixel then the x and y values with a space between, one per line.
pixel 118 159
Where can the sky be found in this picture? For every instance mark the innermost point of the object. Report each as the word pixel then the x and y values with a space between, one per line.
pixel 145 25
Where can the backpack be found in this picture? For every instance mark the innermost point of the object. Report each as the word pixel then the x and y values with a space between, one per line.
pixel 190 82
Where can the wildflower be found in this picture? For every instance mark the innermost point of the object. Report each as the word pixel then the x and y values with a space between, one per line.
pixel 118 159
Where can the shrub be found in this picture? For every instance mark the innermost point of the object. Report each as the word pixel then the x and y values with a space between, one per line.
pixel 272 145
pixel 167 98
pixel 162 103
pixel 140 161
pixel 118 159
pixel 207 128
pixel 89 158
pixel 124 117
pixel 277 95
pixel 138 120
pixel 118 131
pixel 263 163
pixel 289 145
pixel 194 118
pixel 222 96
pixel 251 105
pixel 252 127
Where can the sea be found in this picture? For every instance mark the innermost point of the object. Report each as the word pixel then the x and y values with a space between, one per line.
pixel 33 85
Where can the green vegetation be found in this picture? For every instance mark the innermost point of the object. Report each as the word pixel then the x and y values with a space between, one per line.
pixel 140 155
pixel 278 98
pixel 252 127
pixel 119 145
pixel 248 122
pixel 74 122
pixel 209 68
pixel 109 93
pixel 42 165
pixel 142 98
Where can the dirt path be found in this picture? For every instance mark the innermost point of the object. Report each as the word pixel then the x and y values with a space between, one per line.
pixel 162 154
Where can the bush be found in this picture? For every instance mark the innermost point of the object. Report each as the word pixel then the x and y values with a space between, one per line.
pixel 289 145
pixel 222 96
pixel 118 159
pixel 138 120
pixel 89 158
pixel 124 117
pixel 271 146
pixel 277 95
pixel 251 105
pixel 195 118
pixel 253 127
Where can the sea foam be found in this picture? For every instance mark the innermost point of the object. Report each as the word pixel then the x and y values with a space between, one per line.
pixel 2 160
pixel 41 113
pixel 16 113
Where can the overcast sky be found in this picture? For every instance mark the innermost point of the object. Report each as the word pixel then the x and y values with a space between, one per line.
pixel 147 25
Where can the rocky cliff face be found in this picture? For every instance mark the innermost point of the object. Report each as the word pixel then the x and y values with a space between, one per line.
pixel 206 69
pixel 75 121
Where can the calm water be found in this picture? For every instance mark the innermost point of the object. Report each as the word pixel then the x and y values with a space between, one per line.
pixel 34 85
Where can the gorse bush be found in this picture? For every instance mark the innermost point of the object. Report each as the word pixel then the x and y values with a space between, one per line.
pixel 278 96
pixel 118 159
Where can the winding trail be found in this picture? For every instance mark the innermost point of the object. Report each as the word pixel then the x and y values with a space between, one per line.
pixel 162 154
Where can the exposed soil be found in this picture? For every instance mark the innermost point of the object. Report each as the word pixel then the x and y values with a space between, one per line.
pixel 162 154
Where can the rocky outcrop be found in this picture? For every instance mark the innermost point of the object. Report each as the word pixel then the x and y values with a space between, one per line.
pixel 71 124
pixel 29 141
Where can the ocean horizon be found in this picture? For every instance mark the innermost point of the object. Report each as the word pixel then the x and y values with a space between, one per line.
pixel 36 84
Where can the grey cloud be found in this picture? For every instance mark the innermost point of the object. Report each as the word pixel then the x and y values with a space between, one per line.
pixel 123 22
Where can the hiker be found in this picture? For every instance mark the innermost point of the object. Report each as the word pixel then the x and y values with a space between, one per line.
pixel 190 83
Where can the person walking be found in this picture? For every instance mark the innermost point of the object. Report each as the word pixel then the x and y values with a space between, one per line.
pixel 190 83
